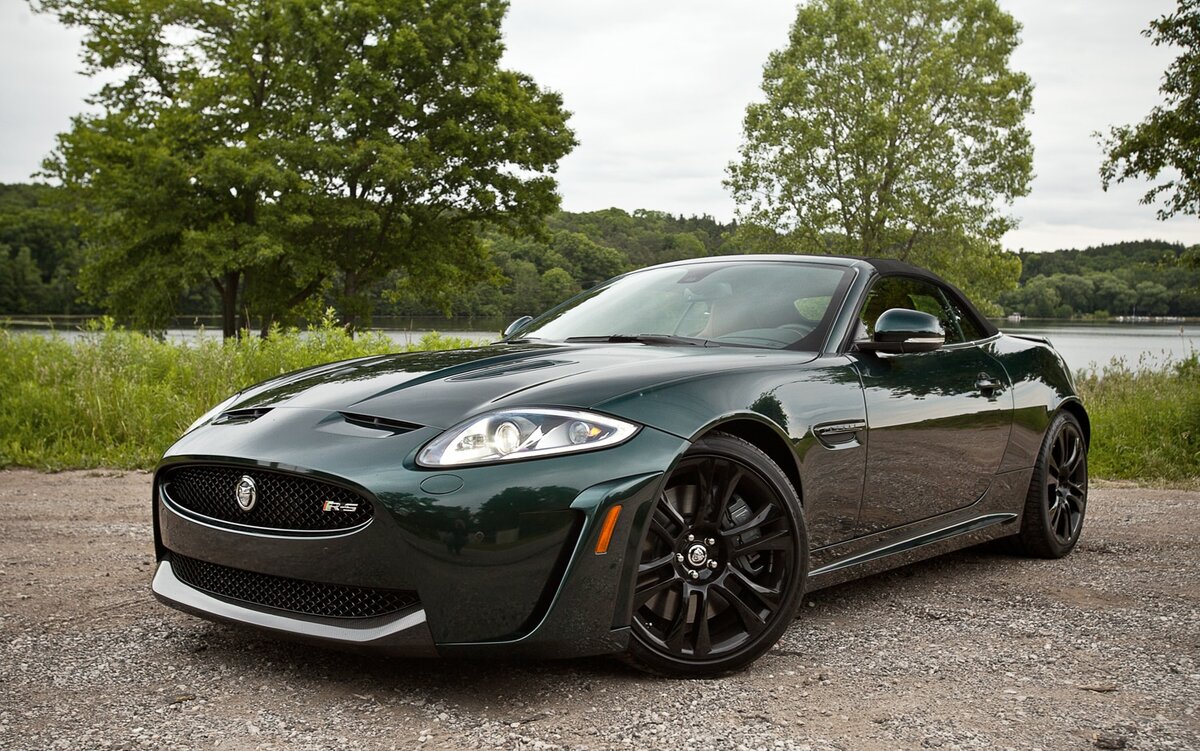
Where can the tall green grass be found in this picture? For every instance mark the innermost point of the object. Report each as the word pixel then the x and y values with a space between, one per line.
pixel 1145 422
pixel 116 398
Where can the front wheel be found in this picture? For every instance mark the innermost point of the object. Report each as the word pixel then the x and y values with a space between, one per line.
pixel 723 565
pixel 1057 499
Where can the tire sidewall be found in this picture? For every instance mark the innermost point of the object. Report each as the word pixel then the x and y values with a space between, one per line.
pixel 1056 426
pixel 730 447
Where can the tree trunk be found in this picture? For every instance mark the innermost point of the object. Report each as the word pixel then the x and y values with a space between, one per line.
pixel 229 294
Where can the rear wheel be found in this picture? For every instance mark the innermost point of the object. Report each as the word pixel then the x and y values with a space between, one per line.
pixel 723 565
pixel 1057 500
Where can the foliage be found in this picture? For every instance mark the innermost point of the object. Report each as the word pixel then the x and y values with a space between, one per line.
pixel 1164 146
pixel 1145 422
pixel 892 128
pixel 579 251
pixel 280 150
pixel 39 253
pixel 117 398
pixel 1139 278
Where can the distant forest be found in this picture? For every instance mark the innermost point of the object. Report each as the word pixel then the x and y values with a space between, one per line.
pixel 1145 278
pixel 41 256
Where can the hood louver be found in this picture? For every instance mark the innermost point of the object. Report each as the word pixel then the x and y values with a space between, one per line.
pixel 380 423
pixel 237 416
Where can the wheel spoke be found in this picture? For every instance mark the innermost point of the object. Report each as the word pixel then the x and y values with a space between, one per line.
pixel 702 644
pixel 722 492
pixel 675 633
pixel 1074 457
pixel 648 566
pixel 706 476
pixel 750 619
pixel 671 513
pixel 779 540
pixel 768 596
pixel 657 528
pixel 646 591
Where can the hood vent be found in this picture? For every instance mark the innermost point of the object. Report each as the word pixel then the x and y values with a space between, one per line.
pixel 238 416
pixel 380 423
pixel 508 369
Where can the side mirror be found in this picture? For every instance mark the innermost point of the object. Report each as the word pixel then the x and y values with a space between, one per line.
pixel 902 330
pixel 517 325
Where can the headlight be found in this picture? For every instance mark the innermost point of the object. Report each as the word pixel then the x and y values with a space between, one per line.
pixel 213 412
pixel 510 434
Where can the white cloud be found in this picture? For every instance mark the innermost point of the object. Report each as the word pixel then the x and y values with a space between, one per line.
pixel 658 91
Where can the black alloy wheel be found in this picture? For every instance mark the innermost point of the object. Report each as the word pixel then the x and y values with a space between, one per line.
pixel 1057 500
pixel 723 565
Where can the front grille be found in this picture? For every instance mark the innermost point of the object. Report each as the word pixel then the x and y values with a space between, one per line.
pixel 281 501
pixel 294 595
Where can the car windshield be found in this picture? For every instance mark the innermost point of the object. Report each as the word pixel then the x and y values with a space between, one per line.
pixel 773 305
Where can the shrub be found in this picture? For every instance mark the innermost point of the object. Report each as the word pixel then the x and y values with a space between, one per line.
pixel 118 398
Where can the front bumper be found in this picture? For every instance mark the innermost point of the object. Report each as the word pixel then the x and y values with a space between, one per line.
pixel 405 634
pixel 503 565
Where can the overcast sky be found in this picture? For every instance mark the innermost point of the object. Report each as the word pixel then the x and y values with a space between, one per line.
pixel 658 90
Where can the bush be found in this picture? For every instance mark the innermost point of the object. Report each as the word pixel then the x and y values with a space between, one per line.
pixel 1145 422
pixel 117 398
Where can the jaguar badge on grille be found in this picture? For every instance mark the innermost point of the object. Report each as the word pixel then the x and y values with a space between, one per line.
pixel 246 493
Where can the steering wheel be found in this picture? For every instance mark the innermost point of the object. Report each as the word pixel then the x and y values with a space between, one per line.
pixel 803 329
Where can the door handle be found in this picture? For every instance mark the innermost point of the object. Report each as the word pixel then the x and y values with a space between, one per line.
pixel 986 384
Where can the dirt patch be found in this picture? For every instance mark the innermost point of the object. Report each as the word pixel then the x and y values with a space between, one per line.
pixel 972 650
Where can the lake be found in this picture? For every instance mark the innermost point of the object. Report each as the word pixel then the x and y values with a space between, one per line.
pixel 1083 344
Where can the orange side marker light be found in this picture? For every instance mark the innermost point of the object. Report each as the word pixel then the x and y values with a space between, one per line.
pixel 606 529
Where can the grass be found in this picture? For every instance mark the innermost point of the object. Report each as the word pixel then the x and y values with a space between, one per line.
pixel 116 398
pixel 1145 422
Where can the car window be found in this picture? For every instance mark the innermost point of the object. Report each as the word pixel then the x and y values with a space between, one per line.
pixel 917 294
pixel 967 324
pixel 749 304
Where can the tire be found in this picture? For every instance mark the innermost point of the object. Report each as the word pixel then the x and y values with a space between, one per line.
pixel 1056 503
pixel 723 565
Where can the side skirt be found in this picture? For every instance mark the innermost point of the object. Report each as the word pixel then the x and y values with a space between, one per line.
pixel 997 514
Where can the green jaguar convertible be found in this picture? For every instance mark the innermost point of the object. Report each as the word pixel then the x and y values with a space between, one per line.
pixel 661 467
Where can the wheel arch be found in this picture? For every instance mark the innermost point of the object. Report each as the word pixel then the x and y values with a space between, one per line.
pixel 766 437
pixel 1074 407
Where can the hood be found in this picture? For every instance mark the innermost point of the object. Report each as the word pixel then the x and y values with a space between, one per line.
pixel 439 389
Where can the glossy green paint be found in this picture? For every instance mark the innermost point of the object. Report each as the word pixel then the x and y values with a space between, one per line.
pixel 881 447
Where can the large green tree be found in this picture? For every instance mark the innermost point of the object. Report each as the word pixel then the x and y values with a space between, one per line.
pixel 1165 147
pixel 284 148
pixel 892 128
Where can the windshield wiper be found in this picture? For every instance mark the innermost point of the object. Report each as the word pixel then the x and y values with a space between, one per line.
pixel 642 339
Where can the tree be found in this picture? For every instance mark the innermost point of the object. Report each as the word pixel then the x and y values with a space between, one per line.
pixel 1113 294
pixel 557 285
pixel 892 128
pixel 1165 146
pixel 280 150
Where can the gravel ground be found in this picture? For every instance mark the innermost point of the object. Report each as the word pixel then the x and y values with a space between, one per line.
pixel 972 650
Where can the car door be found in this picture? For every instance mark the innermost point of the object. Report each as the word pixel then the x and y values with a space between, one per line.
pixel 937 422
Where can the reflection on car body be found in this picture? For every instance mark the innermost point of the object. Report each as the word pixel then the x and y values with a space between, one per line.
pixel 661 466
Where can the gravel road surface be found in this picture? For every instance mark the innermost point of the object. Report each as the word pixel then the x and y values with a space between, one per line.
pixel 975 650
